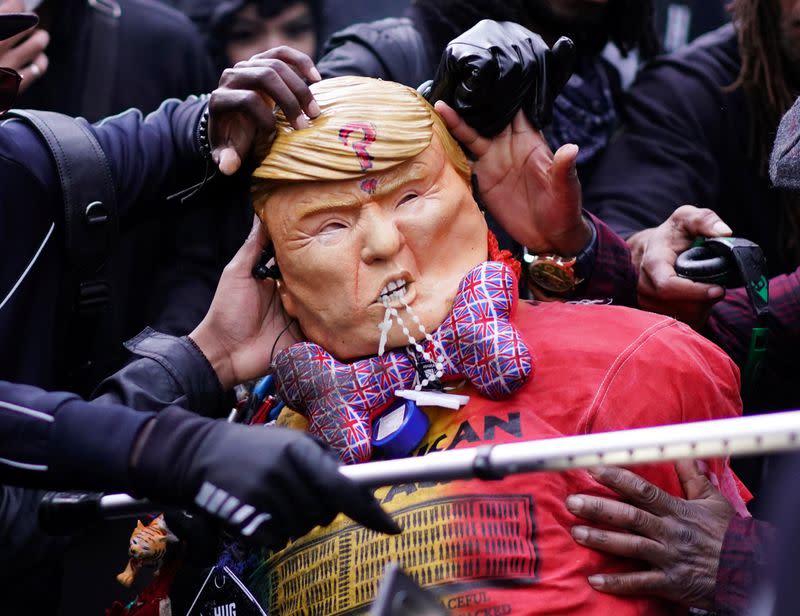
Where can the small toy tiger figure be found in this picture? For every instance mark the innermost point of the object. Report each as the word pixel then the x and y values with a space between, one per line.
pixel 147 547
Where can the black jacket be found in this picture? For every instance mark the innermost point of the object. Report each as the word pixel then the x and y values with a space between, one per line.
pixel 166 264
pixel 83 445
pixel 55 440
pixel 148 159
pixel 393 49
pixel 685 141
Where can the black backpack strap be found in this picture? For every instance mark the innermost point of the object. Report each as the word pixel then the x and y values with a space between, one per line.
pixel 102 70
pixel 91 224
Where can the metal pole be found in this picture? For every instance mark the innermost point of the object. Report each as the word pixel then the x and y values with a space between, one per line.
pixel 738 436
pixel 718 438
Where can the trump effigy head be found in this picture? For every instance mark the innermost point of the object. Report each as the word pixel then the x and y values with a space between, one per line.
pixel 369 209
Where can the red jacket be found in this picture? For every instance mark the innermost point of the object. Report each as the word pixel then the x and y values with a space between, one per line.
pixel 505 547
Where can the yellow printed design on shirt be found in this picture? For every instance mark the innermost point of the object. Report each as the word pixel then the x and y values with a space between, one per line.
pixel 456 536
pixel 446 541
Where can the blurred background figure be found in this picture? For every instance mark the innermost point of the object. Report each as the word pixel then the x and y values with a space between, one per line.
pixel 96 59
pixel 236 30
pixel 83 43
pixel 679 22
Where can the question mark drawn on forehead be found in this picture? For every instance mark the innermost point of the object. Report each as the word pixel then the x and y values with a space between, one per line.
pixel 360 147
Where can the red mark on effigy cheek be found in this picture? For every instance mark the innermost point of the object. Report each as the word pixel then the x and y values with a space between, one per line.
pixel 360 146
pixel 368 185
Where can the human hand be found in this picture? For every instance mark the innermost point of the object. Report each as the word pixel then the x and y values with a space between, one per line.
pixel 266 484
pixel 241 119
pixel 680 539
pixel 534 195
pixel 495 68
pixel 24 52
pixel 660 288
pixel 246 318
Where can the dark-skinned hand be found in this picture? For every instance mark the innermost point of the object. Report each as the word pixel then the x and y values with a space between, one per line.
pixel 654 252
pixel 245 324
pixel 534 194
pixel 241 110
pixel 680 539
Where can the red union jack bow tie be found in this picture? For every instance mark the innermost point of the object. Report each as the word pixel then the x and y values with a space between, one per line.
pixel 477 341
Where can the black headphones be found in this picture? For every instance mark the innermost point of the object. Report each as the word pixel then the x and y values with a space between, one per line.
pixel 734 262
pixel 706 264
pixel 266 266
pixel 728 262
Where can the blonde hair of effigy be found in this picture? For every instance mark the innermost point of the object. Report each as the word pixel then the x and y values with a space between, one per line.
pixel 365 126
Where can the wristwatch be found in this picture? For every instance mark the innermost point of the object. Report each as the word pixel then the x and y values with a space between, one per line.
pixel 552 272
pixel 559 275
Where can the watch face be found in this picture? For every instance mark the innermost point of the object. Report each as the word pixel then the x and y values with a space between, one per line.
pixel 552 273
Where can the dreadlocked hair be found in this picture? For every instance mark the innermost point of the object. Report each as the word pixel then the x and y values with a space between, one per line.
pixel 762 74
pixel 768 94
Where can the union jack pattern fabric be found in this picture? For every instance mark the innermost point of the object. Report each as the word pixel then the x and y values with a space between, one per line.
pixel 340 400
pixel 477 341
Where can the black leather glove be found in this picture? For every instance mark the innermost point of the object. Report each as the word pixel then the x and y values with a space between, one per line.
pixel 497 67
pixel 268 484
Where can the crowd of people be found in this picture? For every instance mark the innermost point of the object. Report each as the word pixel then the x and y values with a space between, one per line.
pixel 511 247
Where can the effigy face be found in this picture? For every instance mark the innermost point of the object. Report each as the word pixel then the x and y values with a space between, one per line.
pixel 403 237
pixel 407 235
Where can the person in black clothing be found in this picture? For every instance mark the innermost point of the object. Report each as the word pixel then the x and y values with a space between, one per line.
pixel 167 262
pixel 152 53
pixel 407 50
pixel 56 440
pixel 699 126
